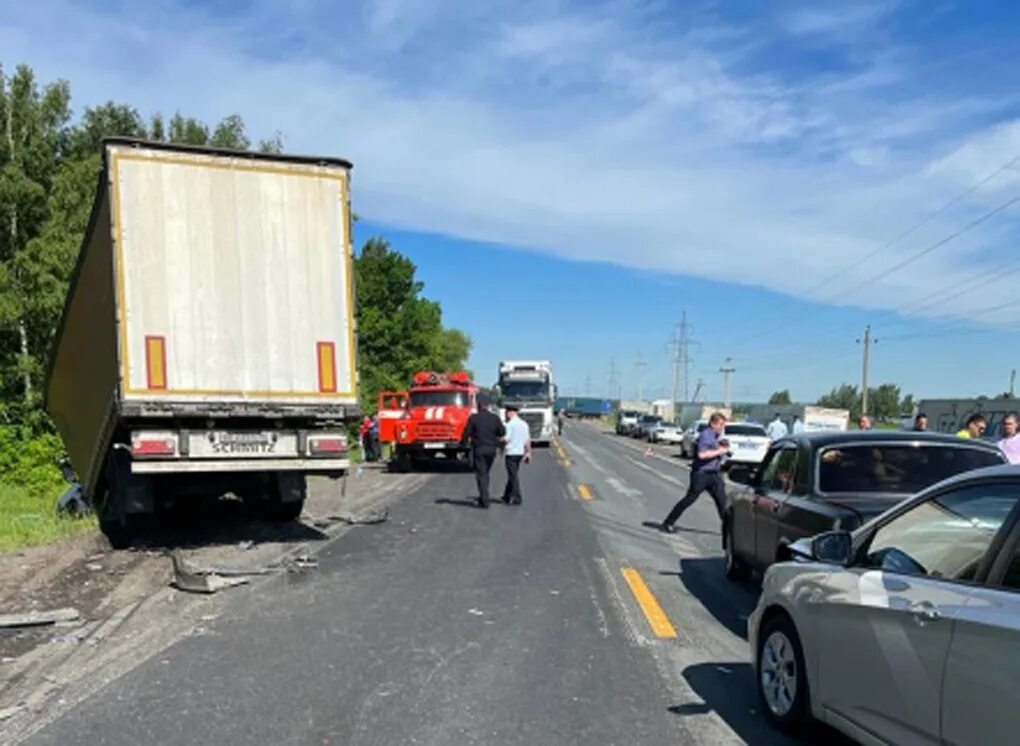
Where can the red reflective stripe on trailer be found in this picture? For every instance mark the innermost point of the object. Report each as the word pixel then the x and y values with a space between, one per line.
pixel 327 367
pixel 155 362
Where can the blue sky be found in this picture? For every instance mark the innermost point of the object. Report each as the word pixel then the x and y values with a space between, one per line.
pixel 571 176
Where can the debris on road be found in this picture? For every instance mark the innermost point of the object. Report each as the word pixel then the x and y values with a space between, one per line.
pixel 194 580
pixel 367 518
pixel 9 712
pixel 94 567
pixel 476 612
pixel 38 618
pixel 245 545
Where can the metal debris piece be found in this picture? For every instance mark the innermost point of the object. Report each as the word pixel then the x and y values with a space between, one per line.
pixel 38 618
pixel 75 638
pixel 73 502
pixel 476 612
pixel 192 580
pixel 94 567
pixel 9 712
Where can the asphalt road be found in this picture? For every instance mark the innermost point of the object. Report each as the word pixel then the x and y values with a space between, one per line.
pixel 564 620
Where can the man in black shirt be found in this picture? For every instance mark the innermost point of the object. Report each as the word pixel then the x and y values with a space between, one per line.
pixel 485 432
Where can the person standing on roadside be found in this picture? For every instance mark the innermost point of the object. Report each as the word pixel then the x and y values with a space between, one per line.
pixel 559 422
pixel 974 427
pixel 798 425
pixel 518 449
pixel 776 429
pixel 705 472
pixel 921 423
pixel 485 432
pixel 865 423
pixel 1010 442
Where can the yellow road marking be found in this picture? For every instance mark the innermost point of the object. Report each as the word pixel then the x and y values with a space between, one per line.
pixel 653 612
pixel 585 492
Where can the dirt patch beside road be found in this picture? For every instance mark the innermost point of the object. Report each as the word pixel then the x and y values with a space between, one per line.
pixel 128 611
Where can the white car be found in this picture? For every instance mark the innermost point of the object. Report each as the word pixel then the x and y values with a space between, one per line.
pixel 690 438
pixel 906 631
pixel 748 442
pixel 666 432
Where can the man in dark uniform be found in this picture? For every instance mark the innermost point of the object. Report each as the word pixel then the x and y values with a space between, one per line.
pixel 484 431
pixel 709 453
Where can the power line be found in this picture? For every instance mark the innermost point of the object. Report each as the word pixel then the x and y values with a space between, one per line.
pixel 889 244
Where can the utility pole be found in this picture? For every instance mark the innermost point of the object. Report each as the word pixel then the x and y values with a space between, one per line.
pixel 613 379
pixel 697 390
pixel 727 370
pixel 680 358
pixel 868 341
pixel 640 366
pixel 1012 382
pixel 587 385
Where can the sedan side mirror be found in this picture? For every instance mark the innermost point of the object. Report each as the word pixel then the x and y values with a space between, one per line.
pixel 833 547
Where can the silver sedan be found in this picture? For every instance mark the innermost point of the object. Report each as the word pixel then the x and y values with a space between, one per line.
pixel 906 631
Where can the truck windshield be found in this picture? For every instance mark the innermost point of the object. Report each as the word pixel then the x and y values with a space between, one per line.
pixel 902 469
pixel 525 390
pixel 439 399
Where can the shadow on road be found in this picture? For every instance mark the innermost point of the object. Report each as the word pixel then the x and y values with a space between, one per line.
pixel 730 603
pixel 728 690
pixel 208 522
pixel 468 502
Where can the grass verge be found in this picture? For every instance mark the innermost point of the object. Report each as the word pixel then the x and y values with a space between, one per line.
pixel 27 520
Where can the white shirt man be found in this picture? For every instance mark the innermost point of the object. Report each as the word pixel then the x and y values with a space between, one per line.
pixel 776 429
pixel 798 426
pixel 518 448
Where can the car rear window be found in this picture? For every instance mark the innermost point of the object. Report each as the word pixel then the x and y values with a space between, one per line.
pixel 745 430
pixel 897 468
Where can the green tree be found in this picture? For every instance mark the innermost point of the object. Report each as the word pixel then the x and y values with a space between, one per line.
pixel 272 145
pixel 781 397
pixel 34 137
pixel 108 120
pixel 884 402
pixel 188 131
pixel 399 331
pixel 229 133
pixel 845 396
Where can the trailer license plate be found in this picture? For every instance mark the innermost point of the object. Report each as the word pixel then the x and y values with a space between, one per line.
pixel 435 445
pixel 246 443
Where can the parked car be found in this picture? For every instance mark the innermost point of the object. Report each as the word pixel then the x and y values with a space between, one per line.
pixel 906 630
pixel 626 421
pixel 748 443
pixel 690 438
pixel 666 432
pixel 645 424
pixel 815 482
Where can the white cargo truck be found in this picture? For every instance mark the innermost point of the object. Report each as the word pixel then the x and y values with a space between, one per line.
pixel 692 413
pixel 208 339
pixel 814 419
pixel 529 385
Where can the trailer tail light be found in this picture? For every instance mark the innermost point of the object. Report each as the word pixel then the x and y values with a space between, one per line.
pixel 153 447
pixel 327 446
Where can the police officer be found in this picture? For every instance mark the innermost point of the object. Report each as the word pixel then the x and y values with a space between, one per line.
pixel 484 431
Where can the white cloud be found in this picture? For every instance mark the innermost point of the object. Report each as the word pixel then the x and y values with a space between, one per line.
pixel 598 138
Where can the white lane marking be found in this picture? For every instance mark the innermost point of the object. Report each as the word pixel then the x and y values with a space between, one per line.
pixel 656 472
pixel 622 487
pixel 588 458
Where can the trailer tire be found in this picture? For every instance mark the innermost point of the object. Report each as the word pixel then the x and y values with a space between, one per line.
pixel 283 512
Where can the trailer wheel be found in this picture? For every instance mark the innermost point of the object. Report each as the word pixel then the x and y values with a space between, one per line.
pixel 286 497
pixel 283 512
pixel 116 488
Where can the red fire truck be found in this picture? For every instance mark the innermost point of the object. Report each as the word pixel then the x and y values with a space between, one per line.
pixel 427 421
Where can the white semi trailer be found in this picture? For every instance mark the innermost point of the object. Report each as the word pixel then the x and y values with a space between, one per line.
pixel 208 338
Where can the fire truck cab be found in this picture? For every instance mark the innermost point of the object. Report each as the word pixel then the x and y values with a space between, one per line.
pixel 427 421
